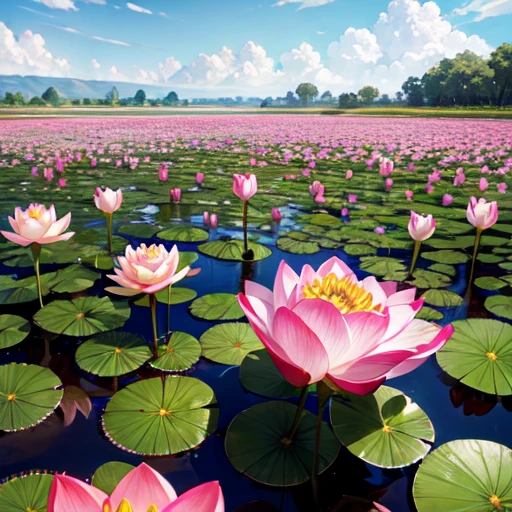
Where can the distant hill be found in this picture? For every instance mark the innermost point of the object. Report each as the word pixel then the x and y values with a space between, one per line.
pixel 73 88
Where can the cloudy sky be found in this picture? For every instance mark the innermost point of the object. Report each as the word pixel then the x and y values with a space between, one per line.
pixel 247 47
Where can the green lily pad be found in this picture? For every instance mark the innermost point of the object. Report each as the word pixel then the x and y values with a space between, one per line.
pixel 297 235
pixel 442 298
pixel 254 444
pixel 180 353
pixel 187 258
pixel 112 354
pixel 27 493
pixel 13 330
pixel 161 416
pixel 426 279
pixel 28 394
pixel 444 269
pixel 381 266
pixel 499 305
pixel 140 230
pixel 101 260
pixel 386 429
pixel 229 343
pixel 296 247
pixel 17 291
pixel 507 265
pixel 479 354
pixel 321 219
pixel 60 252
pixel 259 375
pixel 107 477
pixel 217 306
pixel 465 475
pixel 97 239
pixel 184 234
pixel 489 283
pixel 429 314
pixel 359 250
pixel 179 295
pixel 83 316
pixel 232 250
pixel 72 279
pixel 448 257
pixel 489 258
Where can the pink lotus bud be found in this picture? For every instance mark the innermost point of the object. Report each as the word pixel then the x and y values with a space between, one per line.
pixel 175 195
pixel 429 188
pixel 447 200
pixel 380 230
pixel 245 186
pixel 276 215
pixel 484 184
pixel 252 162
pixel 312 164
pixel 386 167
pixel 352 198
pixel 344 212
pixel 119 163
pixel 199 178
pixel 482 214
pixel 206 218
pixel 316 188
pixel 108 200
pixel 411 167
pixel 349 174
pixel 502 188
pixel 59 165
pixel 34 171
pixel 62 182
pixel 213 221
pixel 421 228
pixel 306 172
pixel 48 174
pixel 389 184
pixel 94 163
pixel 409 194
pixel 163 173
pixel 78 156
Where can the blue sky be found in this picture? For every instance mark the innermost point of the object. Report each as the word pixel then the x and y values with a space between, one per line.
pixel 337 43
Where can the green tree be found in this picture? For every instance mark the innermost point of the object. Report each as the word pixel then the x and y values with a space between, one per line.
pixel 290 98
pixel 87 101
pixel 112 96
pixel 306 92
pixel 267 102
pixel 385 99
pixel 14 99
pixel 348 100
pixel 501 63
pixel 368 94
pixel 399 97
pixel 76 102
pixel 36 101
pixel 171 99
pixel 51 96
pixel 140 97
pixel 326 97
pixel 413 89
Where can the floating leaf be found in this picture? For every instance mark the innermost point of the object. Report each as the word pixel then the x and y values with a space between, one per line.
pixel 359 250
pixel 83 316
pixel 321 219
pixel 296 247
pixel 462 475
pixel 489 283
pixel 217 306
pixel 161 416
pixel 72 279
pixel 187 259
pixel 139 230
pixel 254 444
pixel 27 493
pixel 112 354
pixel 233 250
pixel 444 269
pixel 13 330
pixel 107 477
pixel 426 279
pixel 499 305
pixel 489 258
pixel 449 257
pixel 429 314
pixel 180 353
pixel 179 295
pixel 479 354
pixel 385 429
pixel 442 298
pixel 28 394
pixel 184 234
pixel 381 266
pixel 16 291
pixel 229 343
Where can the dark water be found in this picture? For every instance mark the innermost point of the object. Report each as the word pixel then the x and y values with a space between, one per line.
pixel 81 448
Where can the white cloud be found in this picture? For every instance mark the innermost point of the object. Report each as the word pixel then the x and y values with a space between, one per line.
pixel 95 64
pixel 320 32
pixel 303 3
pixel 59 4
pixel 485 9
pixel 28 55
pixel 138 8
pixel 35 12
pixel 111 41
pixel 163 14
pixel 169 68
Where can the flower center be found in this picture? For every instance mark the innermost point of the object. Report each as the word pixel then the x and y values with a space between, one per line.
pixel 492 356
pixel 11 397
pixel 164 412
pixel 35 213
pixel 495 501
pixel 125 506
pixel 345 294
pixel 152 252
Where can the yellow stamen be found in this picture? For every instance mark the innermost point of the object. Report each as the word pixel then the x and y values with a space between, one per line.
pixel 106 508
pixel 124 506
pixel 495 502
pixel 345 294
pixel 164 412
pixel 237 345
pixel 152 252
pixel 35 213
pixel 118 351
pixel 11 397
pixel 386 429
pixel 152 508
pixel 80 315
pixel 492 356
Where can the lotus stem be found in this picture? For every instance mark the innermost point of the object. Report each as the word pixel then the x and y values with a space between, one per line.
pixel 108 216
pixel 246 241
pixel 152 305
pixel 169 309
pixel 298 414
pixel 415 254
pixel 36 255
pixel 324 394
pixel 478 236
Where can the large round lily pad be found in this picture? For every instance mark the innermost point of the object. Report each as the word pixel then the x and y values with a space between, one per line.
pixel 217 306
pixel 139 230
pixel 179 295
pixel 465 475
pixel 229 343
pixel 479 354
pixel 232 250
pixel 499 305
pixel 257 444
pixel 184 234
pixel 107 477
pixel 13 330
pixel 27 493
pixel 28 394
pixel 180 353
pixel 296 246
pixel 386 429
pixel 161 416
pixel 83 316
pixel 442 298
pixel 112 354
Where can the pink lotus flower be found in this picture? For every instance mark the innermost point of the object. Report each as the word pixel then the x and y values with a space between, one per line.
pixel 380 230
pixel 352 198
pixel 141 490
pixel 421 228
pixel 119 163
pixel 175 195
pixel 481 214
pixel 447 200
pixel 349 174
pixel 199 178
pixel 389 184
pixel 34 171
pixel 37 225
pixel 206 218
pixel 48 173
pixel 429 188
pixel 386 167
pixel 312 164
pixel 327 324
pixel 62 182
pixel 94 162
pixel 245 186
pixel 502 188
pixel 316 188
pixel 409 194
pixel 163 173
pixel 213 221
pixel 276 215
pixel 146 270
pixel 108 200
pixel 252 162
pixel 344 212
pixel 484 184
pixel 411 167
pixel 59 165
pixel 319 198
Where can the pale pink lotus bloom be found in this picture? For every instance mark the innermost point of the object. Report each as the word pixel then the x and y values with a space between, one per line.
pixel 245 186
pixel 409 194
pixel 349 174
pixel 62 182
pixel 213 221
pixel 146 270
pixel 502 188
pixel 481 214
pixel 352 198
pixel 252 162
pixel 206 218
pixel 312 164
pixel 319 198
pixel 386 167
pixel 327 324
pixel 37 225
pixel 48 173
pixel 119 163
pixel 316 188
pixel 421 228
pixel 163 173
pixel 108 200
pixel 199 178
pixel 389 184
pixel 306 173
pixel 175 195
pixel 344 212
pixel 447 200
pixel 141 490
pixel 484 184
pixel 276 215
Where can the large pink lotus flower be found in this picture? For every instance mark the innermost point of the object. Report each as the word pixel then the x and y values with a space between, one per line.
pixel 146 270
pixel 37 225
pixel 245 186
pixel 481 214
pixel 421 228
pixel 141 490
pixel 108 200
pixel 328 324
